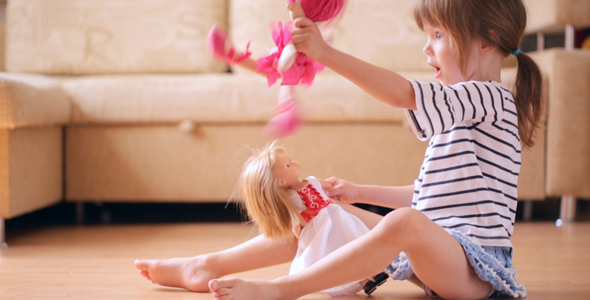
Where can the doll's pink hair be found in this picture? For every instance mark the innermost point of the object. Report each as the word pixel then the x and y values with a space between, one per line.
pixel 321 10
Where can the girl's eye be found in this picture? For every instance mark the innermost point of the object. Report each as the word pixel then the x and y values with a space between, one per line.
pixel 439 35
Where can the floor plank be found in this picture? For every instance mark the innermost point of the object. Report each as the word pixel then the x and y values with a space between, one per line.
pixel 96 262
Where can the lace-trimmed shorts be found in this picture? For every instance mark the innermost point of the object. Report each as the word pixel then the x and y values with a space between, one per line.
pixel 491 264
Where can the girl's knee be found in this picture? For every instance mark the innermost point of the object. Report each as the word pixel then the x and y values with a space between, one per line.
pixel 404 215
pixel 404 221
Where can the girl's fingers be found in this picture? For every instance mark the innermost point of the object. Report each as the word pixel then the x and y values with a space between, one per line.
pixel 302 22
pixel 333 180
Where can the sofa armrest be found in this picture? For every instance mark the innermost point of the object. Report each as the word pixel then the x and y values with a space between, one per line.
pixel 552 15
pixel 28 100
pixel 568 121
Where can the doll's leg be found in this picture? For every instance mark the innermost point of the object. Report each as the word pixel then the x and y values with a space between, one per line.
pixel 437 258
pixel 193 273
pixel 287 117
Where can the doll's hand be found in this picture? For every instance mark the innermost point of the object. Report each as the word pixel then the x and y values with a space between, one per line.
pixel 308 39
pixel 342 190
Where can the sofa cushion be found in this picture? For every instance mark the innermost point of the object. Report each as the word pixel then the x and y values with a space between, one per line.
pixel 32 100
pixel 217 98
pixel 160 163
pixel 75 37
pixel 380 32
pixel 552 15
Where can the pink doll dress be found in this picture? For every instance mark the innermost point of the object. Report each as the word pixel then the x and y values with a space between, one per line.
pixel 328 228
pixel 301 72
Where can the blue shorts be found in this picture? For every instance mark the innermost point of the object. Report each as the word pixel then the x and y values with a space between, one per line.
pixel 491 264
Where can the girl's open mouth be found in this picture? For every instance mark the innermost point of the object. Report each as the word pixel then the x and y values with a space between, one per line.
pixel 437 70
pixel 437 74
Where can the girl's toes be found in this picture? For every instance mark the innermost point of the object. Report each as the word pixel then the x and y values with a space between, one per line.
pixel 221 293
pixel 141 264
pixel 216 284
pixel 145 274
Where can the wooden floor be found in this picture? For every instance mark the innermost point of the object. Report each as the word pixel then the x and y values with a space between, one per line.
pixel 96 262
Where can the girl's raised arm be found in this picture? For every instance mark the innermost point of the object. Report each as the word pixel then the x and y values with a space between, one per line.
pixel 385 85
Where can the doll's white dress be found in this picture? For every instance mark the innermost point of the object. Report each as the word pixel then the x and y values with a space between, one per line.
pixel 328 228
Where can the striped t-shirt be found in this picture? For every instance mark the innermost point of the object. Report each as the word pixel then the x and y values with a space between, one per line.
pixel 468 180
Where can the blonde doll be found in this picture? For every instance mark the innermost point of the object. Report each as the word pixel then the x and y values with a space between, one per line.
pixel 282 206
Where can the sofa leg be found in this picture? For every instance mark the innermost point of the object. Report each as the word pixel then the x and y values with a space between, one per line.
pixel 568 208
pixel 80 215
pixel 2 234
pixel 527 213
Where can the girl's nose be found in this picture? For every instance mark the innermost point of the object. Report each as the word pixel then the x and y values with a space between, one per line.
pixel 427 50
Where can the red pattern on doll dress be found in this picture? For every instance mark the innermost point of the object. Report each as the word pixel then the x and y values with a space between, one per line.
pixel 313 201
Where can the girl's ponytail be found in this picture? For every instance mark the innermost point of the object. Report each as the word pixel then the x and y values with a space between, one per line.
pixel 528 98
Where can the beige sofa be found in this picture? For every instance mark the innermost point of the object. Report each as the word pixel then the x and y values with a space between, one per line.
pixel 119 101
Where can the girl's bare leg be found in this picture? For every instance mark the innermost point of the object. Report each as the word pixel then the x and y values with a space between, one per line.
pixel 194 273
pixel 437 259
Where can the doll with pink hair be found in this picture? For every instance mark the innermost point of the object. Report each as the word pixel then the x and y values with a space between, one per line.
pixel 283 62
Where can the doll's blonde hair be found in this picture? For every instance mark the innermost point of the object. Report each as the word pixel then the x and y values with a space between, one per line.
pixel 268 205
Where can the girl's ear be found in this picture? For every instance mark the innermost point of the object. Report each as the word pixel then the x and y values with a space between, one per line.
pixel 486 47
pixel 281 182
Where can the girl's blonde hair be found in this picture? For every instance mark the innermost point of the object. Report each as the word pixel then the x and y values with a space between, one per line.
pixel 267 204
pixel 500 23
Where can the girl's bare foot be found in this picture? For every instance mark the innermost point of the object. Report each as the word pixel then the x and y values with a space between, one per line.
pixel 192 273
pixel 238 289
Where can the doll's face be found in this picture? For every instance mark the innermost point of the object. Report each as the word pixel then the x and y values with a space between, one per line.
pixel 286 170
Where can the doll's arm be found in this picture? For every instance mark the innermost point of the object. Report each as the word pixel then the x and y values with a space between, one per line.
pixel 369 218
pixel 221 48
pixel 297 230
pixel 251 65
pixel 295 10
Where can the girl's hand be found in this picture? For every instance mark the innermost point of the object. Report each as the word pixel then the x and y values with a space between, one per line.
pixel 342 190
pixel 308 39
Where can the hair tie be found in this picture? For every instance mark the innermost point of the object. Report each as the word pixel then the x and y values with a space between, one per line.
pixel 516 52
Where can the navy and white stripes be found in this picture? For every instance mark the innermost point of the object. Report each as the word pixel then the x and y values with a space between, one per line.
pixel 468 180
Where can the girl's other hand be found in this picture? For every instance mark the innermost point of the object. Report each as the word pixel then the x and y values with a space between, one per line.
pixel 342 190
pixel 308 39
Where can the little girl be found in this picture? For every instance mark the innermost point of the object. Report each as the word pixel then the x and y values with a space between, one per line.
pixel 283 206
pixel 450 231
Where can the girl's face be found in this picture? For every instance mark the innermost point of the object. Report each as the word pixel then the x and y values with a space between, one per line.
pixel 443 56
pixel 286 170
